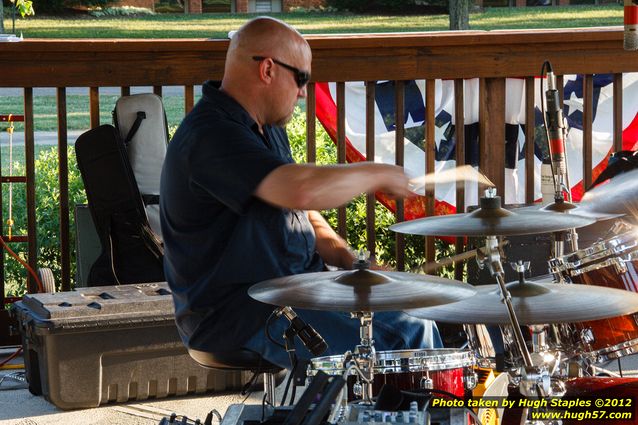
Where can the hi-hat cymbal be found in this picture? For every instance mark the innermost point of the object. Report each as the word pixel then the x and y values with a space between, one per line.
pixel 360 290
pixel 565 207
pixel 491 220
pixel 535 303
pixel 618 196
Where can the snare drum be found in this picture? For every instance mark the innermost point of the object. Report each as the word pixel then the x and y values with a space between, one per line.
pixel 443 369
pixel 611 263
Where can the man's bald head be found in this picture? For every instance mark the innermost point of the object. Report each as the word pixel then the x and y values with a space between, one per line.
pixel 264 60
pixel 265 36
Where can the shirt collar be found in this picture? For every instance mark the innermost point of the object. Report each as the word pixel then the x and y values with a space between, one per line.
pixel 212 93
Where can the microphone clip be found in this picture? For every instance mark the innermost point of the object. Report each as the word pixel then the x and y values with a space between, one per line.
pixel 306 333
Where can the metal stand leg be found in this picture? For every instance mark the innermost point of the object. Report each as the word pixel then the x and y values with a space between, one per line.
pixel 269 388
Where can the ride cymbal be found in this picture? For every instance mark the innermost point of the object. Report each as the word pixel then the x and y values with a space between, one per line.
pixel 535 303
pixel 360 290
pixel 491 220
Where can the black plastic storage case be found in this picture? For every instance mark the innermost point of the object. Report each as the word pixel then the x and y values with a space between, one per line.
pixel 109 344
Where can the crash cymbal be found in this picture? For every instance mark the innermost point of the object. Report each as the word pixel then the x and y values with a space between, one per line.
pixel 566 208
pixel 536 303
pixel 360 290
pixel 618 196
pixel 491 220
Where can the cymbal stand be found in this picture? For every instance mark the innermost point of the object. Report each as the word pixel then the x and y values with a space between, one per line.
pixel 365 355
pixel 492 259
pixel 535 380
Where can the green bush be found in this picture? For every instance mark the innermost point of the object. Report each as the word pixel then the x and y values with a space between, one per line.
pixel 110 12
pixel 47 218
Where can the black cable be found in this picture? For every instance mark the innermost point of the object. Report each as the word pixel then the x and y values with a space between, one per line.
pixel 263 407
pixel 547 67
pixel 269 321
pixel 294 388
pixel 289 338
pixel 290 378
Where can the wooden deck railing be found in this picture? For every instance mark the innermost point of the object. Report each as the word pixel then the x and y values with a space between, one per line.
pixel 489 56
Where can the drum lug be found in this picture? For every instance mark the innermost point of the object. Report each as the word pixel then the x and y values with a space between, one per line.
pixel 357 389
pixel 470 379
pixel 587 336
pixel 620 265
pixel 426 383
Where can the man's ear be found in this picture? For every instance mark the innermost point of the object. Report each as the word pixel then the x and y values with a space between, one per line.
pixel 266 71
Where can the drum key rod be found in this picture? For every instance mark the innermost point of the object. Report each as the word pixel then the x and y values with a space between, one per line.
pixel 365 354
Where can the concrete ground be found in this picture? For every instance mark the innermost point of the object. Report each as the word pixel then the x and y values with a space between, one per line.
pixel 19 407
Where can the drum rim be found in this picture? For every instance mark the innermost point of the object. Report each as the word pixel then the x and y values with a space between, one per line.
pixel 616 351
pixel 624 244
pixel 444 359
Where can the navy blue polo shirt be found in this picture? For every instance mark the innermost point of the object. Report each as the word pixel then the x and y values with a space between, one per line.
pixel 219 239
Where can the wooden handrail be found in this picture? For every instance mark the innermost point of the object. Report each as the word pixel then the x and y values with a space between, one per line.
pixel 473 54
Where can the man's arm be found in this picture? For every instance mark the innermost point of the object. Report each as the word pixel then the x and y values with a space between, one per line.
pixel 330 246
pixel 311 187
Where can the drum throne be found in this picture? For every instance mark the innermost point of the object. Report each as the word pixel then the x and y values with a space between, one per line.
pixel 241 359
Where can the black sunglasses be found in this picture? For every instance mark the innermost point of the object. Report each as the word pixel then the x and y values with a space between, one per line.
pixel 301 77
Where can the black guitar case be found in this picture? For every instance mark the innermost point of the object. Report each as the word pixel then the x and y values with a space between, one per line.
pixel 131 252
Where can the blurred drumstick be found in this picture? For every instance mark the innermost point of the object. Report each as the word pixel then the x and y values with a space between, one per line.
pixel 464 173
pixel 433 266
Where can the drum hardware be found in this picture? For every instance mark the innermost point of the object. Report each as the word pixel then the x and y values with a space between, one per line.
pixel 609 263
pixel 448 369
pixel 587 335
pixel 361 292
pixel 470 379
pixel 426 383
pixel 534 380
pixel 364 354
pixel 426 267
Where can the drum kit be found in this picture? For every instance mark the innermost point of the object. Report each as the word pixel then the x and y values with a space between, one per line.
pixel 554 330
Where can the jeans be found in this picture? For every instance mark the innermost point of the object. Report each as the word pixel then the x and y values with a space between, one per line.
pixel 390 331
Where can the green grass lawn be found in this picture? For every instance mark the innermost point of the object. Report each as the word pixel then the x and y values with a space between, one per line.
pixel 218 25
pixel 45 111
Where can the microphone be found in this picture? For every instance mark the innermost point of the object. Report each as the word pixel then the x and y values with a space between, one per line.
pixel 556 135
pixel 556 132
pixel 308 335
pixel 631 25
pixel 555 124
